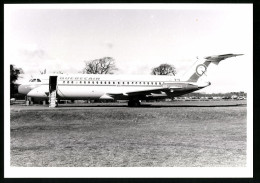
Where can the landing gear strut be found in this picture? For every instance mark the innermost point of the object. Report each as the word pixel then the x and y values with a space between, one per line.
pixel 134 103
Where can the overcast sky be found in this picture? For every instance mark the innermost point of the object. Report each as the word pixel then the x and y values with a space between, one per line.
pixel 61 38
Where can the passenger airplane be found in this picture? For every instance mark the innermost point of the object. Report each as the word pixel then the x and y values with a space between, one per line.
pixel 132 88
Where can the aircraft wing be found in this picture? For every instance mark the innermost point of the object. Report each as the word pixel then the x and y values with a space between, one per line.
pixel 146 92
pixel 149 91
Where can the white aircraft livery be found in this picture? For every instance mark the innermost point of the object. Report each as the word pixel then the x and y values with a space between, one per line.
pixel 118 87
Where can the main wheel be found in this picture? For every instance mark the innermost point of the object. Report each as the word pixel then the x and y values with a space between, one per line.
pixel 130 103
pixel 134 103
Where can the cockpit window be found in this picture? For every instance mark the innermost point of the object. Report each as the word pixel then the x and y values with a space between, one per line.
pixel 34 80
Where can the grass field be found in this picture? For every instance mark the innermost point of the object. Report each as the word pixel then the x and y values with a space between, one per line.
pixel 163 136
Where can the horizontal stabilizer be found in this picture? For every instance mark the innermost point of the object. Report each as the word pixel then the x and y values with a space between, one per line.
pixel 217 58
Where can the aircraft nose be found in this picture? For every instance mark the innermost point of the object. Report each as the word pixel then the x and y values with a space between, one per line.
pixel 24 89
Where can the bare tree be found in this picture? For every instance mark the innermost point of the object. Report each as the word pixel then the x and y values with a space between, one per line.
pixel 54 72
pixel 57 72
pixel 43 72
pixel 164 69
pixel 104 65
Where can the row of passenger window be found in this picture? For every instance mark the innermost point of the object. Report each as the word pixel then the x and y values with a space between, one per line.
pixel 114 82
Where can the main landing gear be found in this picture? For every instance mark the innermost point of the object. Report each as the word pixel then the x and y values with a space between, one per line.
pixel 134 103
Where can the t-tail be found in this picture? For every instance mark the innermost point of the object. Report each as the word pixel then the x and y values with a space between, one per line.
pixel 200 68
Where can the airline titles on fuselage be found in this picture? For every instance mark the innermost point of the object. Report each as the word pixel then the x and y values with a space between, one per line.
pixel 99 81
pixel 80 78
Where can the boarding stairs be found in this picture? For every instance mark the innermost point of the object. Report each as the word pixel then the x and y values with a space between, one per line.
pixel 53 99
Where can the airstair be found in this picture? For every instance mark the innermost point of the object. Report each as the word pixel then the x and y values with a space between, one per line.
pixel 53 91
pixel 52 99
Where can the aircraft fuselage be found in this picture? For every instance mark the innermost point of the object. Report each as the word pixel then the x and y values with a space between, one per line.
pixel 110 87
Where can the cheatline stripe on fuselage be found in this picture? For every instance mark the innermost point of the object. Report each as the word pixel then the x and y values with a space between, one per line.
pixel 108 85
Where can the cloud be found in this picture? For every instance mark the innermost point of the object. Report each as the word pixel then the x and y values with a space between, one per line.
pixel 32 51
pixel 35 54
pixel 33 59
pixel 110 45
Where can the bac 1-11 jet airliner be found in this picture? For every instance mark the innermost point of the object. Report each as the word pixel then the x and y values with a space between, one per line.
pixel 118 87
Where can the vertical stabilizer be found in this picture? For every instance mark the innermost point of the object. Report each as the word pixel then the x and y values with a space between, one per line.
pixel 200 69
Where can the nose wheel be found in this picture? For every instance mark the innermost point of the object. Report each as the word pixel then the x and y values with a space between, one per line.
pixel 134 103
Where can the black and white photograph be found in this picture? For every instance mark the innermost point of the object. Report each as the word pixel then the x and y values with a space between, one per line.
pixel 128 90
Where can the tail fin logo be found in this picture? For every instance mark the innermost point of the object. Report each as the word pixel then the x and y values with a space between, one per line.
pixel 201 69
